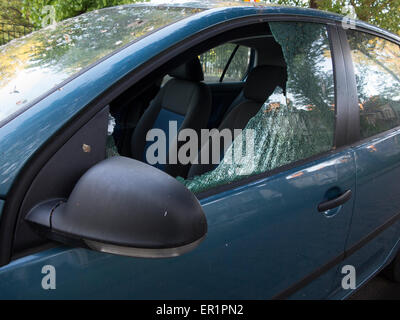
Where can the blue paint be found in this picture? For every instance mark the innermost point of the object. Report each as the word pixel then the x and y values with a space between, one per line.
pixel 243 256
pixel 378 201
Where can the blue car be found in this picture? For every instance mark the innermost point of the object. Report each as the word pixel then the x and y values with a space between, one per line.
pixel 199 150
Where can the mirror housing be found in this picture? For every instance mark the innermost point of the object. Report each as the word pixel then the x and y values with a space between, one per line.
pixel 126 207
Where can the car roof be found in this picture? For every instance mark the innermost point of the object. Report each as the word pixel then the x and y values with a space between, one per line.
pixel 272 9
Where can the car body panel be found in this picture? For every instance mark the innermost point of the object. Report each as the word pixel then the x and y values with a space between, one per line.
pixel 378 192
pixel 377 204
pixel 369 260
pixel 244 255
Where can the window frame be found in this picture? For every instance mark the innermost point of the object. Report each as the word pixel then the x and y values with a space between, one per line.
pixel 33 166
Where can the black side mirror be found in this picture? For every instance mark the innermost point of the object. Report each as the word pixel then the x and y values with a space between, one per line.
pixel 125 207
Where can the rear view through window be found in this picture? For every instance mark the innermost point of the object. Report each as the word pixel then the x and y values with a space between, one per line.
pixel 377 67
pixel 226 63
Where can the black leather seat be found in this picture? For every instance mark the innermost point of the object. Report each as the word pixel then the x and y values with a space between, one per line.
pixel 184 99
pixel 260 84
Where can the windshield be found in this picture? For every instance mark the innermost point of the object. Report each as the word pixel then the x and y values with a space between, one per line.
pixel 32 65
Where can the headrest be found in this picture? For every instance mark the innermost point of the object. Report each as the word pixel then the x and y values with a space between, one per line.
pixel 191 71
pixel 262 81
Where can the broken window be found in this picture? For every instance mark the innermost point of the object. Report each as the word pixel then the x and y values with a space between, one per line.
pixel 295 122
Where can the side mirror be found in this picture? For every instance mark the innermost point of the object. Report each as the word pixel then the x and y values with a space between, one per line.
pixel 125 207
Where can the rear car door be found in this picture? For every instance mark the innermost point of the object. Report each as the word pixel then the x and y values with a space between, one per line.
pixel 375 228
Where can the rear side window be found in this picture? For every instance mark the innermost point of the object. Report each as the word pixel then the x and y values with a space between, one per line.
pixel 377 68
pixel 226 63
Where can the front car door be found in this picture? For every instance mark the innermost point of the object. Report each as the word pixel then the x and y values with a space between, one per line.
pixel 270 222
pixel 267 238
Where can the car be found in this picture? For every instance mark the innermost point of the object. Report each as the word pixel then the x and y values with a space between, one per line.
pixel 107 190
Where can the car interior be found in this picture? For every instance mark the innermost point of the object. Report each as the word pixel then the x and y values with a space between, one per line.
pixel 188 94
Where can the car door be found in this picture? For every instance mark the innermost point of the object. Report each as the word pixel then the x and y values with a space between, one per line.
pixel 300 243
pixel 266 239
pixel 277 232
pixel 375 228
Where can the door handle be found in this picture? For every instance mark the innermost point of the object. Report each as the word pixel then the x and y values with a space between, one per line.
pixel 331 204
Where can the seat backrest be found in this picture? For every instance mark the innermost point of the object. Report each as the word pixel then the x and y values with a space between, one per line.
pixel 184 99
pixel 260 84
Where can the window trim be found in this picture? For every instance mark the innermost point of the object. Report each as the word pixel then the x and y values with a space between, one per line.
pixel 32 167
pixel 339 68
pixel 353 112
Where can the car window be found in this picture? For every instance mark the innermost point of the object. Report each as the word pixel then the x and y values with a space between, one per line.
pixel 295 122
pixel 377 68
pixel 215 61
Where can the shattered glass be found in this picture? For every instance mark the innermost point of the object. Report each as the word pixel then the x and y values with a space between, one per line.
pixel 111 148
pixel 34 64
pixel 291 125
